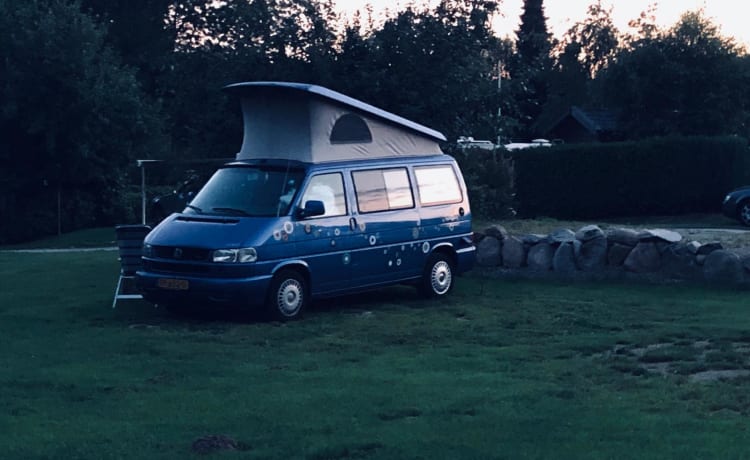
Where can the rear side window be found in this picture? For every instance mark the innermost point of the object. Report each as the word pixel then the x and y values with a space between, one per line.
pixel 437 185
pixel 382 189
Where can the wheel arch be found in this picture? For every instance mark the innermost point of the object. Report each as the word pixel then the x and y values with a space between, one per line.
pixel 297 265
pixel 446 249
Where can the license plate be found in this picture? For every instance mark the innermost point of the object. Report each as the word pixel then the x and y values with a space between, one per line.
pixel 173 284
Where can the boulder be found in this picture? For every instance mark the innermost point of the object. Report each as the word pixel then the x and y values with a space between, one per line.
pixel 694 246
pixel 678 262
pixel 564 260
pixel 489 252
pixel 513 252
pixel 561 235
pixel 589 232
pixel 498 231
pixel 532 239
pixel 540 257
pixel 707 248
pixel 623 236
pixel 658 234
pixel 643 258
pixel 723 267
pixel 617 254
pixel 593 253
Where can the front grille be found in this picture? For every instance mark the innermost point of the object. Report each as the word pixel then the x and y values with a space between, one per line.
pixel 180 253
pixel 168 267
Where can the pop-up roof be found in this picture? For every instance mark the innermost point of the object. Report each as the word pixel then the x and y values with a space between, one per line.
pixel 314 124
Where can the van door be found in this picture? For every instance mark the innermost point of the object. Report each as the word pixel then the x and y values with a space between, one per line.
pixel 386 227
pixel 323 240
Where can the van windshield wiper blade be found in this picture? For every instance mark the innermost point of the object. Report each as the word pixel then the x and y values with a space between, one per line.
pixel 236 211
pixel 194 208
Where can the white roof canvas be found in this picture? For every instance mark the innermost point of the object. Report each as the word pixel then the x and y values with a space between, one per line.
pixel 310 123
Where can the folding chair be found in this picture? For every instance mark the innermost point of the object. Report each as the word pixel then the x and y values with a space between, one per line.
pixel 130 245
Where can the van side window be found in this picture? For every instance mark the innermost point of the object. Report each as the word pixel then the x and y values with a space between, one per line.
pixel 437 185
pixel 382 189
pixel 328 188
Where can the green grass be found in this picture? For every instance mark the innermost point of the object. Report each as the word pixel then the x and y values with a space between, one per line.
pixel 88 238
pixel 499 370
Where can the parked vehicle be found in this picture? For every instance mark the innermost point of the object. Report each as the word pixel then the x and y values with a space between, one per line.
pixel 328 196
pixel 737 205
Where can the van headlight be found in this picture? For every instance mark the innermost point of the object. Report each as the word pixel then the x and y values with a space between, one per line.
pixel 241 255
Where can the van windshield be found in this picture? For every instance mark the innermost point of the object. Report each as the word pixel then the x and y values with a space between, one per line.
pixel 248 191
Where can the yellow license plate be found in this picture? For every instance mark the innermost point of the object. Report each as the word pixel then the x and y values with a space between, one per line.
pixel 173 284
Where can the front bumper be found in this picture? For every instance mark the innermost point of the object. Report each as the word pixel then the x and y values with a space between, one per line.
pixel 189 290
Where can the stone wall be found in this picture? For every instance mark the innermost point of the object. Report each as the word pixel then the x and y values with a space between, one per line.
pixel 656 255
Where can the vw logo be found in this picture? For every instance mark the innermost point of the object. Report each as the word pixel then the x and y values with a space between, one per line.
pixel 177 253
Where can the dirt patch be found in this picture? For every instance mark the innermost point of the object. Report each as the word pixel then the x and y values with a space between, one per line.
pixel 701 361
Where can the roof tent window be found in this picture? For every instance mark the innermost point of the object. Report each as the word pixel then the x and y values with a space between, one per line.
pixel 349 129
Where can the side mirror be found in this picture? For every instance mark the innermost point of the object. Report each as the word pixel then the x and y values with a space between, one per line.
pixel 312 208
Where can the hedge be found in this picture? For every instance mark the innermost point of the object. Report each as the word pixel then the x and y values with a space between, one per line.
pixel 660 176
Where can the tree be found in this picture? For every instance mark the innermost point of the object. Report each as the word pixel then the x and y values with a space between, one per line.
pixel 435 66
pixel 687 80
pixel 529 71
pixel 593 40
pixel 73 119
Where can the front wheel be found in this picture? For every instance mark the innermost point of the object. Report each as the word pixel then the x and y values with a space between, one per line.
pixel 743 212
pixel 437 280
pixel 287 296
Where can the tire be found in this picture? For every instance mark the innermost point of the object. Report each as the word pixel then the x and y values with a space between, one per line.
pixel 743 213
pixel 437 279
pixel 288 296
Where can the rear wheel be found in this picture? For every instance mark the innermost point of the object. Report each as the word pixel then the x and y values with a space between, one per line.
pixel 743 212
pixel 287 296
pixel 437 279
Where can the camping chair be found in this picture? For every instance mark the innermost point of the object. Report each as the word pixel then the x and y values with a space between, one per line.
pixel 130 245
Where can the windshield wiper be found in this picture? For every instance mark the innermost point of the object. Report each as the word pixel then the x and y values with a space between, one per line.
pixel 235 211
pixel 194 208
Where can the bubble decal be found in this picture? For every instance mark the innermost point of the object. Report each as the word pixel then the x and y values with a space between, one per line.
pixel 337 232
pixel 373 240
pixel 398 262
pixel 415 232
pixel 289 227
pixel 362 226
pixel 277 235
pixel 346 258
pixel 425 247
pixel 308 229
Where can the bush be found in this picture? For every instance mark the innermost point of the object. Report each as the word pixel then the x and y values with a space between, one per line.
pixel 489 180
pixel 659 176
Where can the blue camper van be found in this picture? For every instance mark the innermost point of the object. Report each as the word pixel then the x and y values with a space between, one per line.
pixel 327 196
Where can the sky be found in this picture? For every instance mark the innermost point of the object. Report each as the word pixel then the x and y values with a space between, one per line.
pixel 729 15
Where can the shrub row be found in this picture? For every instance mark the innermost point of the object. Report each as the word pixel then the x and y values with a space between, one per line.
pixel 658 176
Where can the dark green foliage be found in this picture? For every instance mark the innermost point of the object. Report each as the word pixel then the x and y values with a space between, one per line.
pixel 657 176
pixel 489 177
pixel 73 117
pixel 688 80
pixel 529 69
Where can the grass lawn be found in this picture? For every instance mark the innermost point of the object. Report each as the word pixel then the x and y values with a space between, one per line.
pixel 499 370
